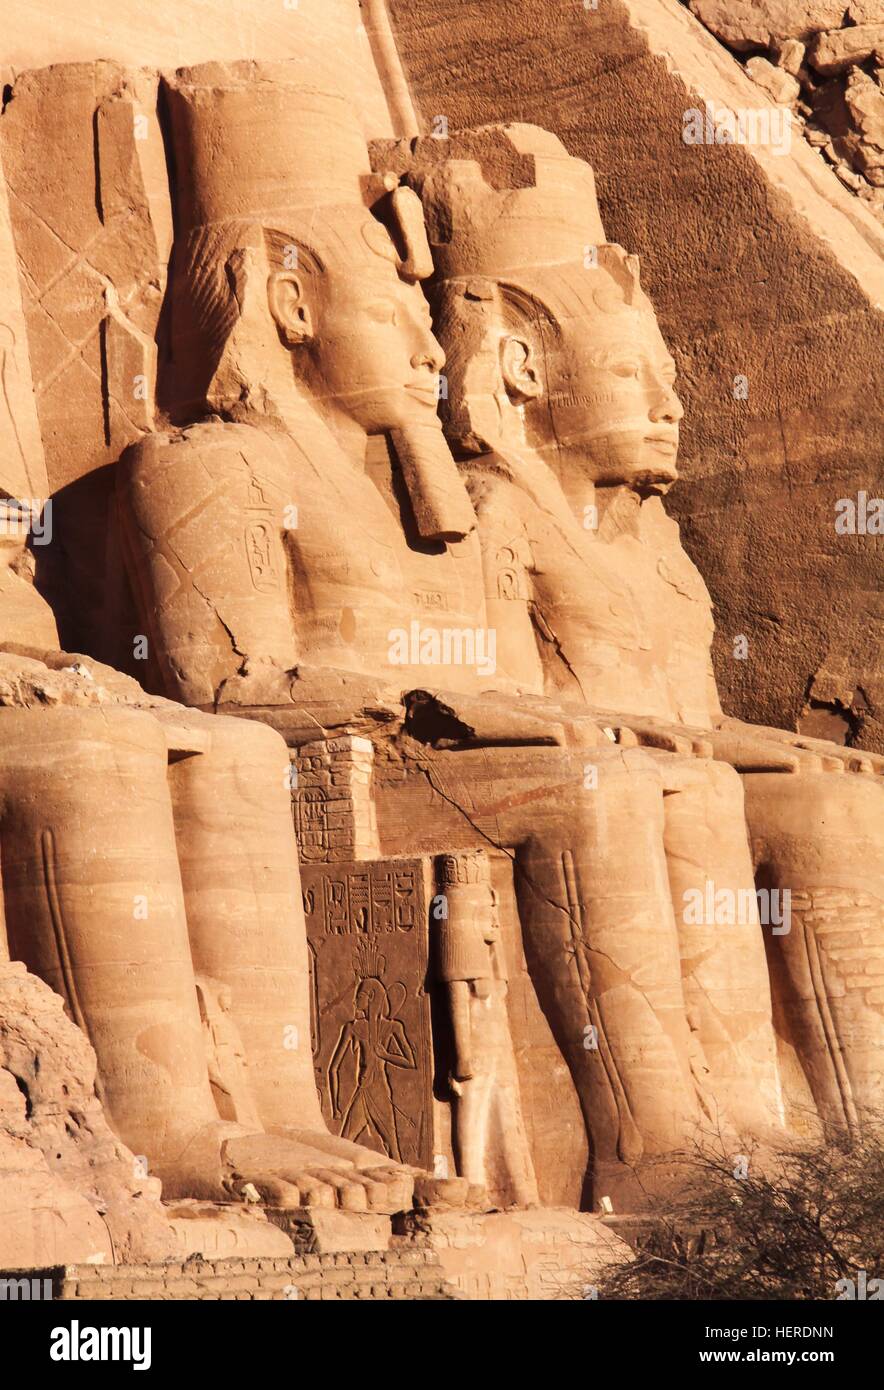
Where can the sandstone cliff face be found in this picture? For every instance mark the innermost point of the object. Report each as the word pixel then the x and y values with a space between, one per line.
pixel 69 1191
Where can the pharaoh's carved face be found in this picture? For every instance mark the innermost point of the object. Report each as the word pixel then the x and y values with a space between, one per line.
pixel 603 394
pixel 371 1000
pixel 362 340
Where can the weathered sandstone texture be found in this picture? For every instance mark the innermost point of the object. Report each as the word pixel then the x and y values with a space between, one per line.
pixel 393 885
pixel 68 1187
pixel 331 42
pixel 827 64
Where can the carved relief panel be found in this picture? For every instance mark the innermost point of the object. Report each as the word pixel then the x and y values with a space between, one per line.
pixel 372 1045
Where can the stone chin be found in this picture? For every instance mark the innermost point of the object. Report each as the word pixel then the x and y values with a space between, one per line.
pixel 631 457
pixel 653 483
pixel 392 407
pixel 656 466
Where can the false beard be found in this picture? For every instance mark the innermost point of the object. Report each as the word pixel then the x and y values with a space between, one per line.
pixel 439 500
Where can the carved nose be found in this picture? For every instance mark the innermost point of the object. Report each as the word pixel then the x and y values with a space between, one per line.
pixel 430 355
pixel 668 409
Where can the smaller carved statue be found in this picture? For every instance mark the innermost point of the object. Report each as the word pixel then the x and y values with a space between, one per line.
pixel 491 1147
pixel 225 1053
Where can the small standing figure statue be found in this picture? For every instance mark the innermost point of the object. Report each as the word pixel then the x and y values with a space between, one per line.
pixel 225 1054
pixel 490 1142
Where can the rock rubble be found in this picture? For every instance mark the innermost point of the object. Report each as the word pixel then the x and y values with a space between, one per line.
pixel 825 61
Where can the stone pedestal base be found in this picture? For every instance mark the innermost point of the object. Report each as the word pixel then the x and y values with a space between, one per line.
pixel 406 1274
pixel 317 1230
pixel 206 1231
pixel 496 1256
pixel 540 1254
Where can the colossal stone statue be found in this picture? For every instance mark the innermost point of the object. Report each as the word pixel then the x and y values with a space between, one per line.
pixel 494 679
pixel 299 331
pixel 279 555
pixel 562 409
pixel 148 850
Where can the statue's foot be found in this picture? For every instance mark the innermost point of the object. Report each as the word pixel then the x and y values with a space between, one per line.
pixel 425 1189
pixel 313 1169
pixel 827 755
pixel 300 1168
pixel 224 1161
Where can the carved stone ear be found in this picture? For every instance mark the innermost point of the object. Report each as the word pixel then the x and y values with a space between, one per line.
pixel 293 318
pixel 520 375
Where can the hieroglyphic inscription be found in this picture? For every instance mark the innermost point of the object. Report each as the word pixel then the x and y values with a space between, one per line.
pixel 366 924
pixel 259 537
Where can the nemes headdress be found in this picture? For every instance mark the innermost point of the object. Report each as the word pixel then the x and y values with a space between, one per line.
pixel 259 159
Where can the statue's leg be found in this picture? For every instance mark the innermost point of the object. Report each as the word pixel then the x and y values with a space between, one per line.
pixel 471 1107
pixel 490 1137
pixel 242 887
pixel 94 906
pixel 245 913
pixel 819 838
pixel 724 968
pixel 586 833
pixel 601 944
pixel 507 1126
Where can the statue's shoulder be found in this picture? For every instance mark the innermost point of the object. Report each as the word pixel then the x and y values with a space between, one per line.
pixel 496 498
pixel 219 448
pixel 674 564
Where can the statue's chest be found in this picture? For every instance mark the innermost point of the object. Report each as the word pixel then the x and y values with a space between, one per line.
pixel 345 537
pixel 355 564
pixel 577 580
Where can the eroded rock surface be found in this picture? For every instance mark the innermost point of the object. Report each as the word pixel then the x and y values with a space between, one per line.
pixel 831 61
pixel 70 1192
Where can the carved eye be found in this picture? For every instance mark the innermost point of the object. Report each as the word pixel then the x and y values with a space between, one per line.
pixel 382 311
pixel 626 368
